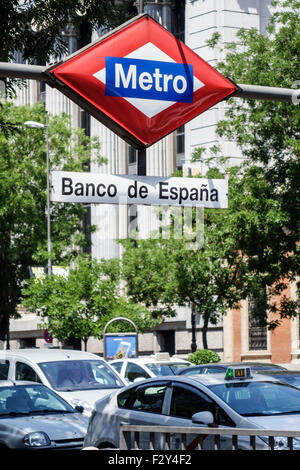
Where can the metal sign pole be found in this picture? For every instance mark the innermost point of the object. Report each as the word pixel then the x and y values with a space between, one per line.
pixel 36 72
pixel 141 6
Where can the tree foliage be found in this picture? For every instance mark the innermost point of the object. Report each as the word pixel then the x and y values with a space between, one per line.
pixel 23 193
pixel 165 273
pixel 38 30
pixel 81 303
pixel 36 27
pixel 203 356
pixel 264 200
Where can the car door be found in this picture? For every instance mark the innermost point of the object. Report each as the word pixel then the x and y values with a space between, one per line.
pixel 144 405
pixel 4 369
pixel 185 401
pixel 134 371
pixel 24 371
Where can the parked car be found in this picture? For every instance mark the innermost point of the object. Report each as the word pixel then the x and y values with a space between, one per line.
pixel 249 401
pixel 79 377
pixel 291 377
pixel 221 367
pixel 33 416
pixel 159 364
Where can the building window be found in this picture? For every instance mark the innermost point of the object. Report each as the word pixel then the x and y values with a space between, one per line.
pixel 180 140
pixel 42 86
pixel 132 158
pixel 299 331
pixel 178 29
pixel 27 342
pixel 257 332
pixel 178 19
pixel 179 147
pixel 85 122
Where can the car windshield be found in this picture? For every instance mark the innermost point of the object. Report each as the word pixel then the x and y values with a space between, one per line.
pixel 161 369
pixel 259 398
pixel 80 375
pixel 31 400
pixel 262 367
pixel 179 365
pixel 290 379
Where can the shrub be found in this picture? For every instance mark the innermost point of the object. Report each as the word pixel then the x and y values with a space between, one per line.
pixel 203 356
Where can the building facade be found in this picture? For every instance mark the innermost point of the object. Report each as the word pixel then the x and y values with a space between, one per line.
pixel 194 22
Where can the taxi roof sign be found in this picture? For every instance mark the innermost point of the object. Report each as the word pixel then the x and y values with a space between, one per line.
pixel 233 373
pixel 140 81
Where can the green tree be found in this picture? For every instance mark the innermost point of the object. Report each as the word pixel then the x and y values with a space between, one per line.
pixel 264 203
pixel 164 273
pixel 23 237
pixel 37 29
pixel 81 303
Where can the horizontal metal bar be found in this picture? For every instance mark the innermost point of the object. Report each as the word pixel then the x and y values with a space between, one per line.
pixel 13 70
pixel 36 72
pixel 202 430
pixel 288 95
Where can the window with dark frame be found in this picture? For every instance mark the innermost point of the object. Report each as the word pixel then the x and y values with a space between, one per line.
pixel 257 332
pixel 132 155
pixel 178 26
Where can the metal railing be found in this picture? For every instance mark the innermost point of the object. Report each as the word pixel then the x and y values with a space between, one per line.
pixel 131 439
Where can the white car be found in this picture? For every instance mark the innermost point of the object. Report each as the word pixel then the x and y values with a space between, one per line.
pixel 160 364
pixel 234 399
pixel 79 377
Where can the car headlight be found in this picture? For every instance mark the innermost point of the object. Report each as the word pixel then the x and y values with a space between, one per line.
pixel 37 439
pixel 87 407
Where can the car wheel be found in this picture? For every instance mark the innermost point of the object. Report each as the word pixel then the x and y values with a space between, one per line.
pixel 106 446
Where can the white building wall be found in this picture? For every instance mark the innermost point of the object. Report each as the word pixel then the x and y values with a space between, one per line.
pixel 203 19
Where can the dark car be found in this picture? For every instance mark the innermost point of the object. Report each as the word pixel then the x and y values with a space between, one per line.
pixel 291 377
pixel 215 368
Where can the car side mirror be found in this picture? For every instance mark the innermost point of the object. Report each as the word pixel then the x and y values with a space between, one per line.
pixel 79 408
pixel 203 417
pixel 138 379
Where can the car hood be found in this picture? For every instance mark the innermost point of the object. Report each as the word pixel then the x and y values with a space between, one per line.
pixel 85 396
pixel 280 422
pixel 56 426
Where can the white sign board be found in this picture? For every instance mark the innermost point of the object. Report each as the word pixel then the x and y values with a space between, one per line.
pixel 96 188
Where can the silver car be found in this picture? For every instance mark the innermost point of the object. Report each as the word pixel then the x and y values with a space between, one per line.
pixel 34 417
pixel 79 377
pixel 242 401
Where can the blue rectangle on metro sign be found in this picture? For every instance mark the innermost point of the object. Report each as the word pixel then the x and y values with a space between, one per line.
pixel 148 79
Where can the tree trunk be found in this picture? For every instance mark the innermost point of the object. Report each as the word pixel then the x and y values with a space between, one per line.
pixel 204 332
pixel 4 324
pixel 7 293
pixel 193 324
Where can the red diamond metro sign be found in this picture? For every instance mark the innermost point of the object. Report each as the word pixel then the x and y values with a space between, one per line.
pixel 140 81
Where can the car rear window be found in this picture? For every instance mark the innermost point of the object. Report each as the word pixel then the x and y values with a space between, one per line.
pixel 4 366
pixel 161 369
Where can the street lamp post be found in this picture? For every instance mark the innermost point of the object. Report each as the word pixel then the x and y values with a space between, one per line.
pixel 39 125
pixel 193 323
